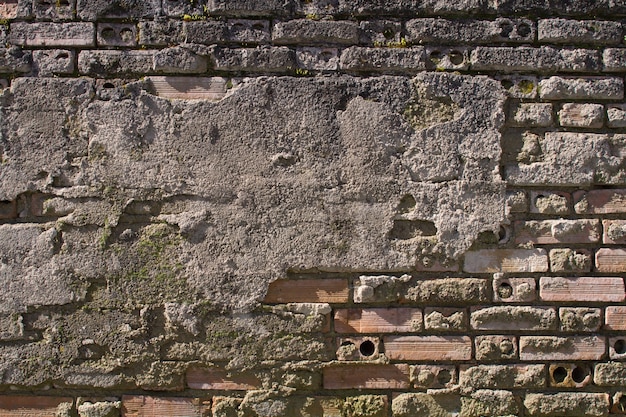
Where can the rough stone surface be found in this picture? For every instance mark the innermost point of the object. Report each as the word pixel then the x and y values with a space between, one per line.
pixel 567 404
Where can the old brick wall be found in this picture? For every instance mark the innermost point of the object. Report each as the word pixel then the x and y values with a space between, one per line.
pixel 307 208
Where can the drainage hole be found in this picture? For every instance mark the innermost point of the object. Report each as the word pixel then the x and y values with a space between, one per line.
pixel 505 290
pixel 559 374
pixel 523 30
pixel 620 346
pixel 444 376
pixel 367 348
pixel 456 57
pixel 579 374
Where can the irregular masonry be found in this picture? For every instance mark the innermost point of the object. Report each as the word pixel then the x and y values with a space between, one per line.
pixel 312 208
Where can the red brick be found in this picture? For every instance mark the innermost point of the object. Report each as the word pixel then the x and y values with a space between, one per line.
pixel 428 348
pixel 553 348
pixel 31 406
pixel 220 379
pixel 611 260
pixel 506 260
pixel 557 231
pixel 190 88
pixel 308 291
pixel 614 231
pixel 366 376
pixel 615 318
pixel 601 201
pixel 378 320
pixel 602 289
pixel 146 406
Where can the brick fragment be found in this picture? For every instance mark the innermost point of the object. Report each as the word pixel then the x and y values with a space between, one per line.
pixel 445 31
pixel 394 60
pixel 33 406
pixel 435 348
pixel 147 406
pixel 616 115
pixel 502 376
pixel 587 88
pixel 565 31
pixel 366 376
pixel 308 291
pixel 617 348
pixel 564 404
pixel 580 319
pixel 570 260
pixel 516 202
pixel 268 59
pixel 513 318
pixel 514 290
pixel 600 202
pixel 611 260
pixel 306 31
pixel 600 289
pixel 496 347
pixel 550 202
pixel 52 34
pixel 116 34
pixel 506 260
pixel 525 58
pixel 531 114
pixel 189 88
pixel 220 379
pixel 378 320
pixel 445 319
pixel 557 231
pixel 609 374
pixel 53 10
pixel 554 348
pixel 615 318
pixel 9 9
pixel 433 376
pixel 582 115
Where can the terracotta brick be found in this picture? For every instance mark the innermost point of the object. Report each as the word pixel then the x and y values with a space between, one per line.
pixel 378 320
pixel 308 291
pixel 355 348
pixel 602 289
pixel 366 376
pixel 190 88
pixel 146 406
pixel 611 260
pixel 557 231
pixel 31 406
pixel 506 260
pixel 220 379
pixel 600 201
pixel 615 318
pixel 614 232
pixel 435 348
pixel 554 348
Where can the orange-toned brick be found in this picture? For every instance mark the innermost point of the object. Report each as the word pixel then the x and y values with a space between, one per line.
pixel 614 231
pixel 506 260
pixel 31 406
pixel 428 348
pixel 308 291
pixel 378 320
pixel 600 201
pixel 366 376
pixel 557 231
pixel 602 289
pixel 611 260
pixel 615 318
pixel 220 379
pixel 147 406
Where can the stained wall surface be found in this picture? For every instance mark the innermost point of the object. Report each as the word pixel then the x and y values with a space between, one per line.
pixel 312 208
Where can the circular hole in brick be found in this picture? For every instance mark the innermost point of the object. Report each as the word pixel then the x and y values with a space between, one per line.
pixel 506 347
pixel 126 35
pixel 258 26
pixel 326 56
pixel 108 85
pixel 444 376
pixel 503 235
pixel 579 374
pixel 507 84
pixel 523 29
pixel 505 29
pixel 505 290
pixel 559 374
pixel 456 57
pixel 63 55
pixel 367 348
pixel 107 34
pixel 389 33
pixel 435 56
pixel 620 346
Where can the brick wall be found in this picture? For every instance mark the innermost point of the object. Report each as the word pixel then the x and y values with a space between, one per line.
pixel 144 274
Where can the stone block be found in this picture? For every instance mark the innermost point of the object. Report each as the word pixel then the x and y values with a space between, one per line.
pixel 421 404
pixel 74 34
pixel 116 34
pixel 610 374
pixel 506 260
pixel 317 59
pixel 49 62
pixel 581 115
pixel 489 403
pixel 441 58
pixel 307 291
pixel 611 260
pixel 531 114
pixel 238 8
pixel 115 63
pixel 220 379
pixel 566 31
pixel 428 348
pixel 600 202
pixel 52 9
pixel 261 59
pixel 445 319
pixel 614 59
pixel 496 348
pixel 378 320
pixel 513 318
pixel 393 60
pixel 545 232
pixel 179 60
pixel 550 202
pixel 564 404
pixel 366 376
pixel 144 406
pixel 599 289
pixel 587 88
pixel 93 10
pixel 445 31
pixel 247 31
pixel 580 319
pixel 543 59
pixel 163 32
pixel 519 86
pixel 448 291
pixel 433 376
pixel 313 32
pixel 555 348
pixel 616 115
pixel 380 33
pixel 570 260
pixel 514 290
pixel 189 88
pixel 205 32
pixel 502 376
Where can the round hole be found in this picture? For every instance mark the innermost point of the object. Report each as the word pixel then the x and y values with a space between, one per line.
pixel 505 290
pixel 62 55
pixel 506 347
pixel 444 376
pixel 523 30
pixel 502 234
pixel 107 34
pixel 367 348
pixel 559 374
pixel 108 85
pixel 456 57
pixel 505 29
pixel 435 56
pixel 326 56
pixel 126 35
pixel 389 33
pixel 620 346
pixel 507 84
pixel 579 374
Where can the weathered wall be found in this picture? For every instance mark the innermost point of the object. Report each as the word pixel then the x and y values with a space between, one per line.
pixel 309 208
